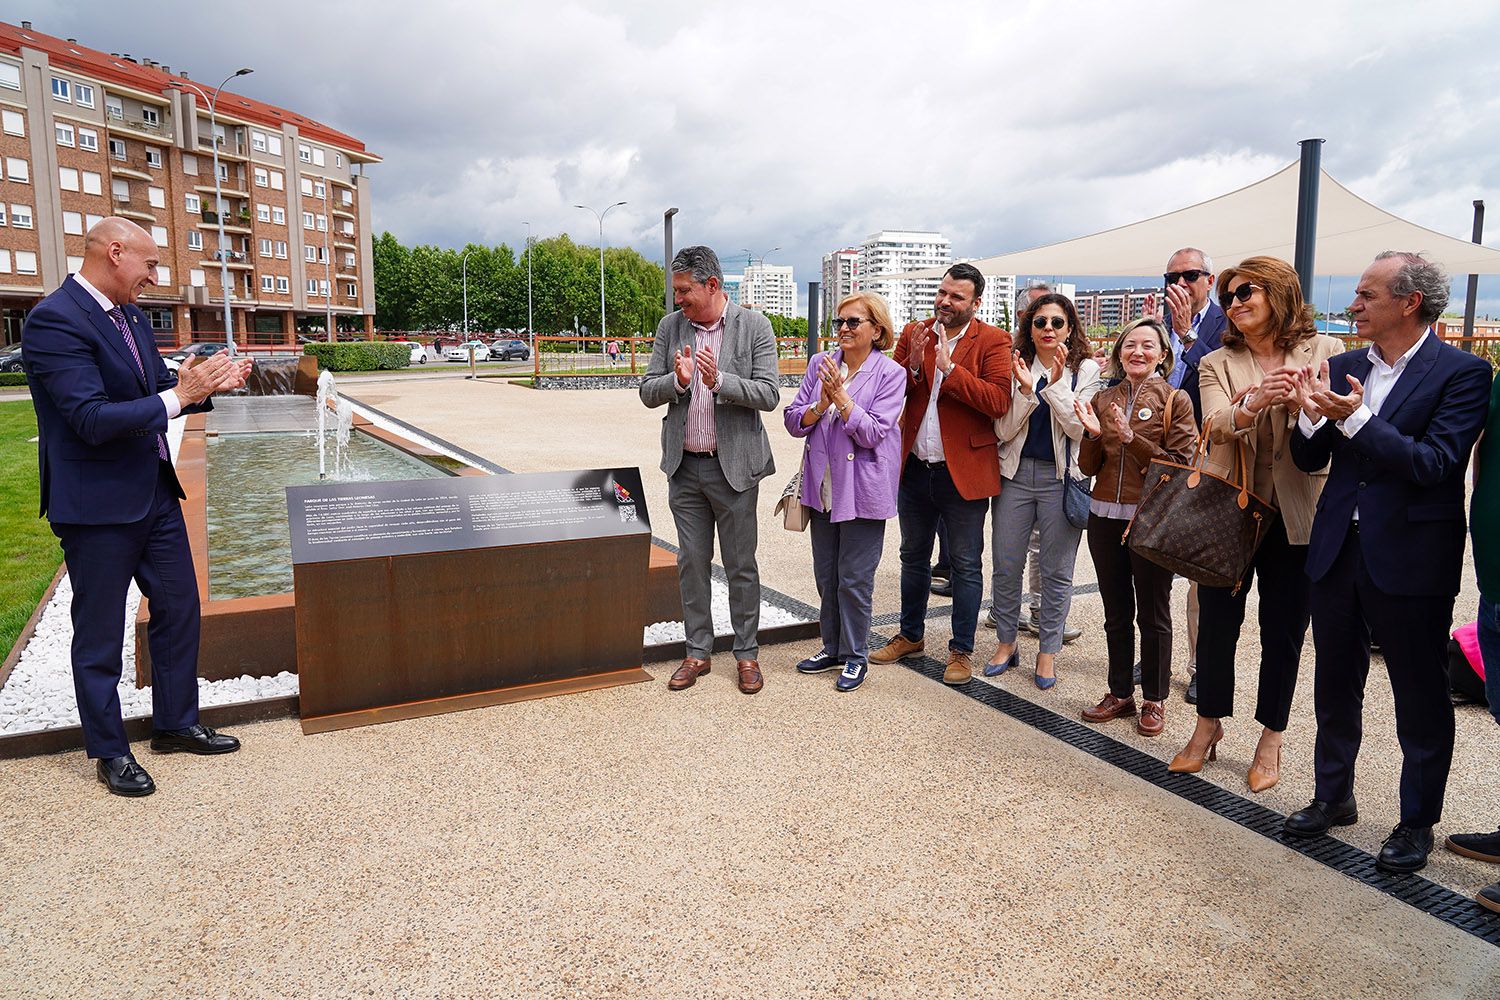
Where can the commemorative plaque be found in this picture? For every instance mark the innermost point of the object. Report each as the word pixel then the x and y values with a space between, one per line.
pixel 423 596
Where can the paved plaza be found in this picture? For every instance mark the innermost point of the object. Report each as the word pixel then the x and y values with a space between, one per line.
pixel 903 840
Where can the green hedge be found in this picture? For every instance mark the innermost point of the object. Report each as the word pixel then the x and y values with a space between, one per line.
pixel 359 356
pixel 12 378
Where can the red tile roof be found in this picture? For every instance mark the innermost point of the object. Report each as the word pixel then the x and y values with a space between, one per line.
pixel 110 69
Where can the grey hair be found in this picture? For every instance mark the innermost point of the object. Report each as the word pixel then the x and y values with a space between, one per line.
pixel 1418 274
pixel 700 263
pixel 1207 261
pixel 1023 296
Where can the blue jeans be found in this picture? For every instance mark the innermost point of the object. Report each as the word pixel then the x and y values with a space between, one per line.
pixel 1489 652
pixel 926 493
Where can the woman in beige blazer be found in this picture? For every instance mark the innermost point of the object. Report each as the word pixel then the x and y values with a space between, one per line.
pixel 1248 389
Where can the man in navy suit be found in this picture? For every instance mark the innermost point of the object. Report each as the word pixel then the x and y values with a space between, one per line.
pixel 103 398
pixel 1193 317
pixel 1387 542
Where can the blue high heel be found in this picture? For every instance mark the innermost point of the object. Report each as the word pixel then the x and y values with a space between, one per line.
pixel 1044 683
pixel 996 669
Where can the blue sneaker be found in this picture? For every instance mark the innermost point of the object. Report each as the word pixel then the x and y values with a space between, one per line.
pixel 852 677
pixel 817 663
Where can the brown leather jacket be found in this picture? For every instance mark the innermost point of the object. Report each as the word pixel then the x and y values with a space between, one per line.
pixel 1119 469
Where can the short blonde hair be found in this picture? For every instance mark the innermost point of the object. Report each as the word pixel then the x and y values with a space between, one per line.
pixel 1117 370
pixel 880 315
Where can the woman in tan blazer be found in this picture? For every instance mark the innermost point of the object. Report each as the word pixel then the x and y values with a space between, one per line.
pixel 1249 388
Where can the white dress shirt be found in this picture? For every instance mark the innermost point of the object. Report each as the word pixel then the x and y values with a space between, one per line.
pixel 168 397
pixel 929 443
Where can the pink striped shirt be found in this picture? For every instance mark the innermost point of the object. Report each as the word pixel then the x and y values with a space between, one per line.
pixel 700 434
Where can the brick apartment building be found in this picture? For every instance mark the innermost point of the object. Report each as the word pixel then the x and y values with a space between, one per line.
pixel 87 134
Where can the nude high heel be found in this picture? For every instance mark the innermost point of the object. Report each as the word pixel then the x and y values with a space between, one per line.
pixel 1186 763
pixel 1259 779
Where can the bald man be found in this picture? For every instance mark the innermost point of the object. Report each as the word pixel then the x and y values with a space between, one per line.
pixel 103 398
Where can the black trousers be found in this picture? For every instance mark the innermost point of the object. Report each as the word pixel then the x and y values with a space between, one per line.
pixel 1347 610
pixel 1132 588
pixel 1279 572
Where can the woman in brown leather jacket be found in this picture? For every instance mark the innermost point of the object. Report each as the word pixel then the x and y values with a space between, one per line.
pixel 1125 427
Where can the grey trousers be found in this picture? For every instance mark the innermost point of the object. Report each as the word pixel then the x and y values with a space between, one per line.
pixel 701 499
pixel 1033 499
pixel 845 555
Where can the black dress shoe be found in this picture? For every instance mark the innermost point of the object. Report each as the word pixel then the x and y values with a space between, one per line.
pixel 1489 897
pixel 1406 849
pixel 1319 816
pixel 123 776
pixel 1483 846
pixel 942 586
pixel 193 739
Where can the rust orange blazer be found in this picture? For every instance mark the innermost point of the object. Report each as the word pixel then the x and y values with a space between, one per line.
pixel 972 397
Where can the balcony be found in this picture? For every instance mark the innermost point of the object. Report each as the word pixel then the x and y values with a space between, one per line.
pixel 139 175
pixel 226 148
pixel 138 127
pixel 344 245
pixel 226 189
pixel 229 227
pixel 130 213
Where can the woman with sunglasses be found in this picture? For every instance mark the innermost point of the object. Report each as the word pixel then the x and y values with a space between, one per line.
pixel 1039 438
pixel 849 409
pixel 1249 391
pixel 1127 425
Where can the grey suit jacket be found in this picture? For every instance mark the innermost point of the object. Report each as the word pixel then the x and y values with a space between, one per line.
pixel 747 359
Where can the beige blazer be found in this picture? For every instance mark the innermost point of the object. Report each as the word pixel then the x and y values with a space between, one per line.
pixel 1012 428
pixel 1224 374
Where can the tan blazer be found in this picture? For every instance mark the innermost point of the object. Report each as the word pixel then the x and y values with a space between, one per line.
pixel 1223 375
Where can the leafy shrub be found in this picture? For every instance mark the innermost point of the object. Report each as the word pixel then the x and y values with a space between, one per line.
pixel 359 356
pixel 12 378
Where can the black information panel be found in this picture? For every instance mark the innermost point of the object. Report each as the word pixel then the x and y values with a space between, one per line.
pixel 331 522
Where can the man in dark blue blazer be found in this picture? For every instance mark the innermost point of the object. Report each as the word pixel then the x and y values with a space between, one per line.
pixel 1388 540
pixel 1194 318
pixel 103 398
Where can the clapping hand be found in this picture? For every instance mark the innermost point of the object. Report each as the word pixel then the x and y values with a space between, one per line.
pixel 1024 379
pixel 708 367
pixel 918 348
pixel 683 363
pixel 1181 304
pixel 199 377
pixel 1276 389
pixel 1055 370
pixel 1084 411
pixel 1122 423
pixel 1329 403
pixel 1149 308
pixel 944 354
pixel 834 392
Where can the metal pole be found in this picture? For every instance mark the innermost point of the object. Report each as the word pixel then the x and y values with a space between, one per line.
pixel 666 222
pixel 814 322
pixel 1307 213
pixel 530 328
pixel 600 216
pixel 327 263
pixel 1473 294
pixel 464 262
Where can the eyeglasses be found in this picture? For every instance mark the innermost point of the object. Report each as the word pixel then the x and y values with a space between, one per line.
pixel 1190 276
pixel 849 322
pixel 1242 293
pixel 1041 323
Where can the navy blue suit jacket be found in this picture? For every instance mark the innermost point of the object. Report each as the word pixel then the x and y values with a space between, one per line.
pixel 1404 471
pixel 96 416
pixel 1210 338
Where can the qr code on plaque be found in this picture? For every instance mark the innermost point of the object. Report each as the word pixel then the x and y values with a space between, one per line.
pixel 627 514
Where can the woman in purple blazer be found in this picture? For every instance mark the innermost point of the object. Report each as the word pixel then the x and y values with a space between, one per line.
pixel 849 411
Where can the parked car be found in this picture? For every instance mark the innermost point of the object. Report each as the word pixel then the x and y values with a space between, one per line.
pixel 418 351
pixel 460 352
pixel 509 350
pixel 10 359
pixel 198 350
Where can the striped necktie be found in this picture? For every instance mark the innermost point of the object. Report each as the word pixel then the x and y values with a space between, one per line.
pixel 118 316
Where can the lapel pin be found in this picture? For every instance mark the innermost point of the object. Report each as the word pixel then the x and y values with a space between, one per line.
pixel 1144 413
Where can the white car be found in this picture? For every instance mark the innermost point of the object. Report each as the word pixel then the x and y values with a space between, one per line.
pixel 418 352
pixel 460 352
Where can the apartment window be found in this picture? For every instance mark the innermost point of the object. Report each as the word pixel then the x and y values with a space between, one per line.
pixel 278 180
pixel 163 275
pixel 322 255
pixel 73 223
pixel 223 172
pixel 249 285
pixel 194 240
pixel 257 141
pixel 12 122
pixel 75 264
pixel 10 75
pixel 91 220
pixel 117 149
pixel 153 156
pixel 67 178
pixel 161 319
pixel 159 234
pixel 338 159
pixel 322 223
pixel 319 191
pixel 346 196
pixel 20 216
pixel 312 286
pixel 88 139
pixel 278 215
pixel 347 228
pixel 189 164
pixel 64 134
pixel 150 117
pixel 25 262
pixel 283 284
pixel 219 135
pixel 195 277
pixel 157 197
pixel 307 186
pixel 262 213
pixel 83 95
pixel 261 177
pixel 267 283
pixel 307 220
pixel 273 144
pixel 120 188
pixel 113 108
pixel 323 288
pixel 4 254
pixel 19 171
pixel 281 249
pixel 304 151
pixel 61 90
pixel 309 254
pixel 192 204
pixel 351 290
pixel 265 248
pixel 348 258
pixel 93 183
pixel 318 161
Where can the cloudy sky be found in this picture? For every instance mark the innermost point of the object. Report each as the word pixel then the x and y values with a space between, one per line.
pixel 808 126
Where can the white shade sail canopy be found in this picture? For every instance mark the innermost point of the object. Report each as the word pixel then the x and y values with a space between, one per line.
pixel 1258 219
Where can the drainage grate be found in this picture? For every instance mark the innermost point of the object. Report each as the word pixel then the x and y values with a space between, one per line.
pixel 1429 897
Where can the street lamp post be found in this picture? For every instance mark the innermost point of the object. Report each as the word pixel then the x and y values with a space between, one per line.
pixel 328 262
pixel 463 259
pixel 666 225
pixel 213 124
pixel 530 327
pixel 603 331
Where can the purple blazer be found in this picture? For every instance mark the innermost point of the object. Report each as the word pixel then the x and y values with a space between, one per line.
pixel 864 454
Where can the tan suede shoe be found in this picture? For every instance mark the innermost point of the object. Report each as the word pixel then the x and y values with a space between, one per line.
pixel 896 649
pixel 960 669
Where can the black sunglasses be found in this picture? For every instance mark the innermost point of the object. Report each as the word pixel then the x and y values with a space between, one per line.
pixel 1041 322
pixel 1190 276
pixel 1242 293
pixel 850 322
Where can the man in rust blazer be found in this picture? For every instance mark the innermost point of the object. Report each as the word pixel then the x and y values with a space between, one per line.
pixel 958 382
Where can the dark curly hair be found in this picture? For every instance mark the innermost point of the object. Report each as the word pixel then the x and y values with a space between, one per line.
pixel 1291 318
pixel 1077 342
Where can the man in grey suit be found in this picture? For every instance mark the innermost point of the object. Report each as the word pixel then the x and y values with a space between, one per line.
pixel 714 367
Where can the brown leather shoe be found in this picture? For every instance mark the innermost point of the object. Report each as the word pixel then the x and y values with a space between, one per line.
pixel 687 675
pixel 1153 718
pixel 896 649
pixel 1110 708
pixel 750 678
pixel 960 669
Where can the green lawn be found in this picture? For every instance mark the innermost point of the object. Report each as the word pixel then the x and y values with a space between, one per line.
pixel 29 553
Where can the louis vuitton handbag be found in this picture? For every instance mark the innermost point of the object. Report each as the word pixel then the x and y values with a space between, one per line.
pixel 1198 524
